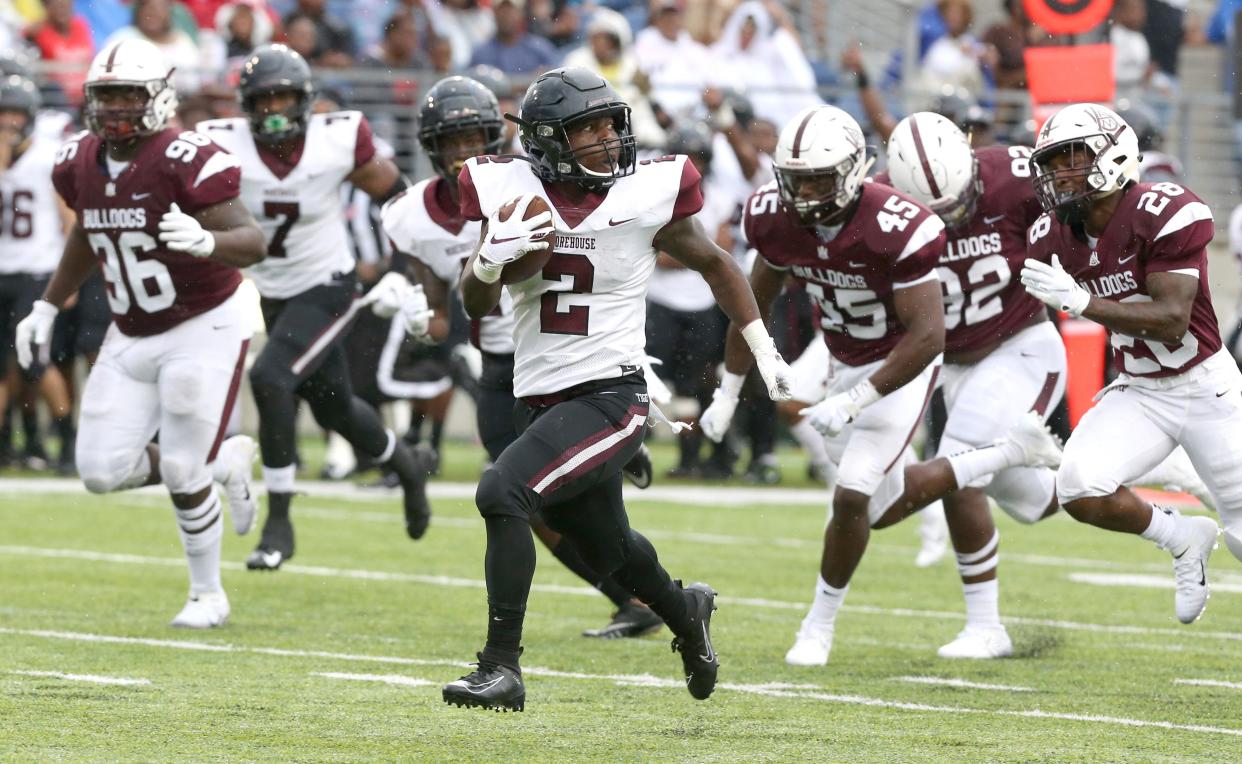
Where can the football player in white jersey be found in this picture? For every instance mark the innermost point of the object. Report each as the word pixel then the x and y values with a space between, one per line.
pixel 460 118
pixel 33 219
pixel 293 164
pixel 579 352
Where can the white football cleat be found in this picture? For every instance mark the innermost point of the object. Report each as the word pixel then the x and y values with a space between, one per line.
pixel 203 611
pixel 1190 569
pixel 811 646
pixel 1039 446
pixel 934 533
pixel 232 471
pixel 979 643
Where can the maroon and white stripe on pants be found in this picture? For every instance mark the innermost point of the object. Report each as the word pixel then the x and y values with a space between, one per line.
pixel 590 452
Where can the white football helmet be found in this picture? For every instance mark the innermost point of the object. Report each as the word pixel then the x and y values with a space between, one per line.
pixel 930 158
pixel 136 66
pixel 820 163
pixel 1103 157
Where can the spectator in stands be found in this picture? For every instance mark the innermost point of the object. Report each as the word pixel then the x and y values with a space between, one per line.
pixel 105 17
pixel 64 38
pixel 398 49
pixel 334 41
pixel 609 51
pixel 302 35
pixel 1131 54
pixel 243 25
pixel 958 58
pixel 515 50
pixel 464 23
pixel 676 66
pixel 1164 30
pixel 760 53
pixel 153 21
pixel 440 56
pixel 1010 38
pixel 555 20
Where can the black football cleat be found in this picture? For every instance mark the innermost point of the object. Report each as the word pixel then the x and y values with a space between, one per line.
pixel 639 470
pixel 412 465
pixel 698 658
pixel 275 544
pixel 490 685
pixel 634 619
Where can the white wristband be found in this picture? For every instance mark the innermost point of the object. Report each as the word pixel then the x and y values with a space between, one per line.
pixel 486 272
pixel 731 384
pixel 864 394
pixel 756 336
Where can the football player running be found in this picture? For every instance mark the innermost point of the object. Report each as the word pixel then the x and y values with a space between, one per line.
pixel 578 358
pixel 1133 257
pixel 868 256
pixel 293 164
pixel 460 118
pixel 158 210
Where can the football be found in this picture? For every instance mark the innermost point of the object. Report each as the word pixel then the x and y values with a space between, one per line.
pixel 532 262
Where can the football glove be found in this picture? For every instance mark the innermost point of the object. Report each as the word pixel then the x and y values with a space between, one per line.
pixel 34 331
pixel 1051 285
pixel 183 233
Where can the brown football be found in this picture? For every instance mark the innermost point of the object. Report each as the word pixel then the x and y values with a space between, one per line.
pixel 531 263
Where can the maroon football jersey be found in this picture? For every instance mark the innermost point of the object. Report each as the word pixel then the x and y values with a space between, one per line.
pixel 890 242
pixel 984 301
pixel 150 289
pixel 1158 227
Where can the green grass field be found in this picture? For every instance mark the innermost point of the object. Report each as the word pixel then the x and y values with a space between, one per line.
pixel 341 655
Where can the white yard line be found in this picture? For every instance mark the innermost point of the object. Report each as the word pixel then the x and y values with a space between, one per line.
pixel 757 602
pixel 1228 585
pixel 393 679
pixel 961 683
pixel 90 678
pixel 773 690
pixel 1209 683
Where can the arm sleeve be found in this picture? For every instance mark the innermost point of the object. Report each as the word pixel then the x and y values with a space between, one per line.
pixel 689 193
pixel 921 253
pixel 64 181
pixel 1181 238
pixel 214 177
pixel 468 195
pixel 364 145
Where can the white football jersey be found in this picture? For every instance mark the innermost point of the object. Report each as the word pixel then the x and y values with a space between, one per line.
pixel 443 241
pixel 31 233
pixel 300 213
pixel 583 318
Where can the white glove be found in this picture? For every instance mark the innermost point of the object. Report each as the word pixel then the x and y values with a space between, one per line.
pixel 777 375
pixel 1051 285
pixel 830 416
pixel 415 315
pixel 715 419
pixel 388 295
pixel 182 233
pixel 508 240
pixel 35 329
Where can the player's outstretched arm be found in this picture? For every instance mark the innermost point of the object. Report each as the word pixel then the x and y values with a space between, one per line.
pixel 224 232
pixel 920 309
pixel 379 178
pixel 436 292
pixel 1165 319
pixel 685 241
pixel 478 297
pixel 76 264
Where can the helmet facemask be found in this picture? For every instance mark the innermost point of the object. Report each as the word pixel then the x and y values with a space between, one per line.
pixel 283 125
pixel 831 194
pixel 446 161
pixel 550 142
pixel 958 212
pixel 123 124
pixel 1067 191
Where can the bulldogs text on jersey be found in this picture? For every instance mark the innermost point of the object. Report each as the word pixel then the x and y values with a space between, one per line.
pixel 891 242
pixel 150 288
pixel 298 203
pixel 1158 227
pixel 583 318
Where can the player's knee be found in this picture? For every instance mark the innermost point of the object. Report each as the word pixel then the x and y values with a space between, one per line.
pixel 102 472
pixel 501 493
pixel 181 390
pixel 849 504
pixel 183 473
pixel 266 377
pixel 1076 479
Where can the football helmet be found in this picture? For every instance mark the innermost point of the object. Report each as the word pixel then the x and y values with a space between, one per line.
pixel 930 159
pixel 20 94
pixel 694 139
pixel 820 162
pixel 1143 120
pixel 1103 155
pixel 961 108
pixel 555 102
pixel 276 69
pixel 493 79
pixel 453 104
pixel 15 62
pixel 133 65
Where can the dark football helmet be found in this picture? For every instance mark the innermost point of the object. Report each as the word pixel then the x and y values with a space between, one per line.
pixel 493 79
pixel 15 62
pixel 556 101
pixel 454 104
pixel 1145 123
pixel 276 69
pixel 694 139
pixel 20 94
